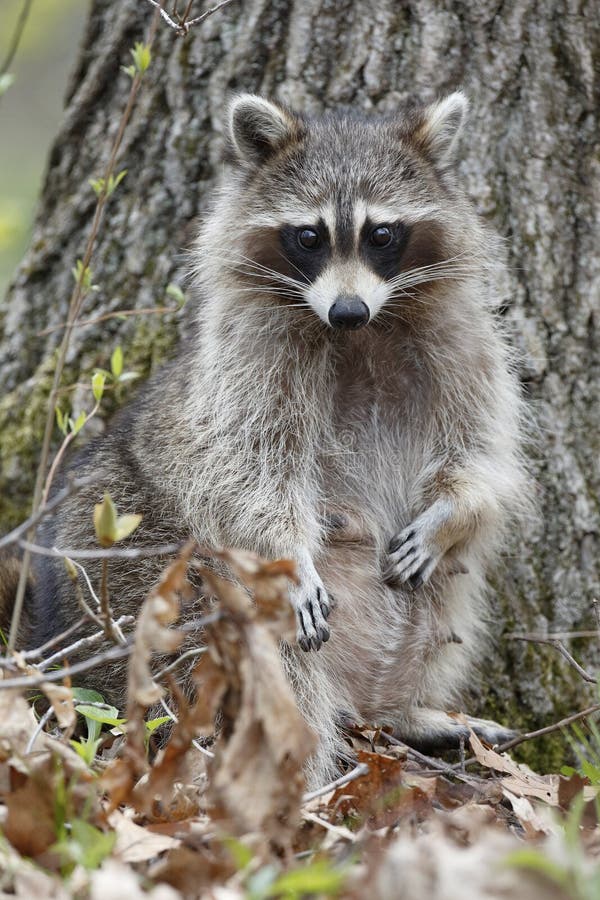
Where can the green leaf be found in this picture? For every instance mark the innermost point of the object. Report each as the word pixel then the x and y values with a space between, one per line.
pixel 529 858
pixel 78 424
pixel 116 362
pixel 105 522
pixel 62 420
pixel 98 382
pixel 97 185
pixel 103 716
pixel 114 181
pixel 86 749
pixel 86 845
pixel 86 695
pixel 241 855
pixel 153 724
pixel 129 70
pixel 174 291
pixel 5 82
pixel 126 525
pixel 318 878
pixel 141 56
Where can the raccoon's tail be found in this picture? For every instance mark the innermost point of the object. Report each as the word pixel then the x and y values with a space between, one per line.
pixel 10 571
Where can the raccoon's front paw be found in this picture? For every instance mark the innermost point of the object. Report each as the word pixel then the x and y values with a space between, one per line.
pixel 413 554
pixel 312 605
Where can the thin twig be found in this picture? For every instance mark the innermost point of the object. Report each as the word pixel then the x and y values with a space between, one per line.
pixel 352 775
pixel 205 15
pixel 175 720
pixel 549 729
pixel 431 763
pixel 39 728
pixel 61 452
pixel 73 485
pixel 182 26
pixel 30 681
pixel 189 654
pixel 558 645
pixel 111 628
pixel 77 297
pixel 534 638
pixel 155 310
pixel 16 37
pixel 82 644
pixel 79 593
pixel 112 553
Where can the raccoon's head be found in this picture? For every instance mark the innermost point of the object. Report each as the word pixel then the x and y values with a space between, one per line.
pixel 342 215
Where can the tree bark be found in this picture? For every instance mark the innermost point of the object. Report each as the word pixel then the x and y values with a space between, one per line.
pixel 530 163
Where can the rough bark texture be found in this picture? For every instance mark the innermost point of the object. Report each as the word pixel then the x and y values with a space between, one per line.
pixel 531 165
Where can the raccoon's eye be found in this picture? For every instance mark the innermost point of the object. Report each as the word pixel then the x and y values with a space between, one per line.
pixel 308 238
pixel 381 236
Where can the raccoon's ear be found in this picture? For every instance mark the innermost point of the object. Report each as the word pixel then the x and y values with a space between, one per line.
pixel 259 128
pixel 441 126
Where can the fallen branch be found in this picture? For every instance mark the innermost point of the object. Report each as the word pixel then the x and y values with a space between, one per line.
pixel 549 729
pixel 356 772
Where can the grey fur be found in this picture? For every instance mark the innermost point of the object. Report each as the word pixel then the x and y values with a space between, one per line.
pixel 274 432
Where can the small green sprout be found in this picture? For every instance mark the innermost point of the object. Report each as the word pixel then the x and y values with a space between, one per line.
pixel 101 186
pixel 109 527
pixel 83 276
pixel 141 60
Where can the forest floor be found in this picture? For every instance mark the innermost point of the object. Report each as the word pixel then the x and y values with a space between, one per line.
pixel 90 808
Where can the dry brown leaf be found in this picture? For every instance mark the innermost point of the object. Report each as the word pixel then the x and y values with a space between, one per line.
pixel 61 700
pixel 135 843
pixel 17 724
pixel 30 823
pixel 459 857
pixel 195 872
pixel 152 633
pixel 257 775
pixel 384 795
pixel 159 611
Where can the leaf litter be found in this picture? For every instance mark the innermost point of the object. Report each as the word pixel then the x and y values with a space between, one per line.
pixel 220 809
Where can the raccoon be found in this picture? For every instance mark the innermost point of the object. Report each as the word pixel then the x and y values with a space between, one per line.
pixel 347 399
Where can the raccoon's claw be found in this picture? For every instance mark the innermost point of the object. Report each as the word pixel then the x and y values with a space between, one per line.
pixel 312 609
pixel 412 557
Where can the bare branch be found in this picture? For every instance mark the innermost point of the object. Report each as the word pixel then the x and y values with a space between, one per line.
pixel 83 644
pixel 182 25
pixel 549 729
pixel 209 12
pixel 356 772
pixel 113 553
pixel 29 681
pixel 189 654
pixel 558 645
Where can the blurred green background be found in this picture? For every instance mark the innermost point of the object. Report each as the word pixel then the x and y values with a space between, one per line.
pixel 31 111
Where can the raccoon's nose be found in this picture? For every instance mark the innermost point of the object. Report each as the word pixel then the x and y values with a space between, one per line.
pixel 348 312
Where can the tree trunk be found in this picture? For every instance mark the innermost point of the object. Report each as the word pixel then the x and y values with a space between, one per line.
pixel 530 164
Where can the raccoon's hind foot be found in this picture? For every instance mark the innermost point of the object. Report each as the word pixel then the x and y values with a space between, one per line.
pixel 432 731
pixel 313 606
